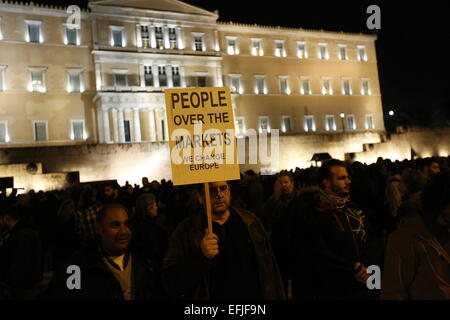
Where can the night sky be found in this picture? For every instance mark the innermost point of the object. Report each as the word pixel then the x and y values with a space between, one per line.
pixel 412 47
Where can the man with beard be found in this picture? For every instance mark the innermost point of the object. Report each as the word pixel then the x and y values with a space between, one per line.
pixel 109 270
pixel 233 262
pixel 341 241
pixel 430 167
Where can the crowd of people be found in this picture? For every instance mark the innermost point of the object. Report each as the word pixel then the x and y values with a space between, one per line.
pixel 301 234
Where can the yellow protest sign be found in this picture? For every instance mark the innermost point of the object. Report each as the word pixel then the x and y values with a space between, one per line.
pixel 201 135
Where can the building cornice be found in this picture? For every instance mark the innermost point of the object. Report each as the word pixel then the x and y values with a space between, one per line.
pixel 133 57
pixel 150 19
pixel 152 14
pixel 129 100
pixel 300 32
pixel 38 9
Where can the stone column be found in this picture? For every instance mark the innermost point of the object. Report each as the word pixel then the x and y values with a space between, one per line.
pixel 216 41
pixel 169 76
pixel 158 124
pixel 179 39
pixel 182 77
pixel 101 139
pixel 138 36
pixel 166 37
pixel 98 77
pixel 219 82
pixel 121 126
pixel 106 133
pixel 137 125
pixel 141 75
pixel 152 125
pixel 152 36
pixel 155 73
pixel 116 126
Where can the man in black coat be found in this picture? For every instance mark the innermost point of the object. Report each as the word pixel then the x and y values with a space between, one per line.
pixel 342 243
pixel 235 261
pixel 109 270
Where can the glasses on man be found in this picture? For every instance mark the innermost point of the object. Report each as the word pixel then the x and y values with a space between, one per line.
pixel 214 191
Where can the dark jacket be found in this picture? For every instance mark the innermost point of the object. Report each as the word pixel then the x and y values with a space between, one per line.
pixel 98 282
pixel 417 266
pixel 185 269
pixel 21 264
pixel 278 224
pixel 336 249
pixel 150 236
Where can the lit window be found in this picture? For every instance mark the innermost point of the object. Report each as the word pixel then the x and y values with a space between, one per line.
pixel 310 124
pixel 346 87
pixel 369 122
pixel 305 88
pixel 284 86
pixel 199 43
pixel 342 52
pixel 323 51
pixel 127 130
pixel 232 46
pixel 260 85
pixel 351 123
pixel 40 130
pixel 264 124
pixel 75 84
pixel 202 81
pixel 148 76
pixel 2 77
pixel 287 124
pixel 145 36
pixel 162 76
pixel 71 36
pixel 256 47
pixel 302 53
pixel 117 36
pixel 240 125
pixel 159 37
pixel 120 77
pixel 330 123
pixel 365 87
pixel 37 79
pixel 176 79
pixel 77 132
pixel 4 137
pixel 280 51
pixel 362 56
pixel 235 84
pixel 327 89
pixel 34 32
pixel 173 38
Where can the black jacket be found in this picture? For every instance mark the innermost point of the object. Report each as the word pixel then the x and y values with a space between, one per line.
pixel 21 265
pixel 97 281
pixel 185 271
pixel 335 249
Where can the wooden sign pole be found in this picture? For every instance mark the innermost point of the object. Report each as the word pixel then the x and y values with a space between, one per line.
pixel 208 208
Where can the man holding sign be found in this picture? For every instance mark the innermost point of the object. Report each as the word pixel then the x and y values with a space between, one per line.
pixel 235 261
pixel 221 252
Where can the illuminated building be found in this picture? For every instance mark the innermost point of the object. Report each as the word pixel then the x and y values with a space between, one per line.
pixel 104 82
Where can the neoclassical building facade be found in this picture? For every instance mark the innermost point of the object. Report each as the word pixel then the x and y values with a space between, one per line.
pixel 104 81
